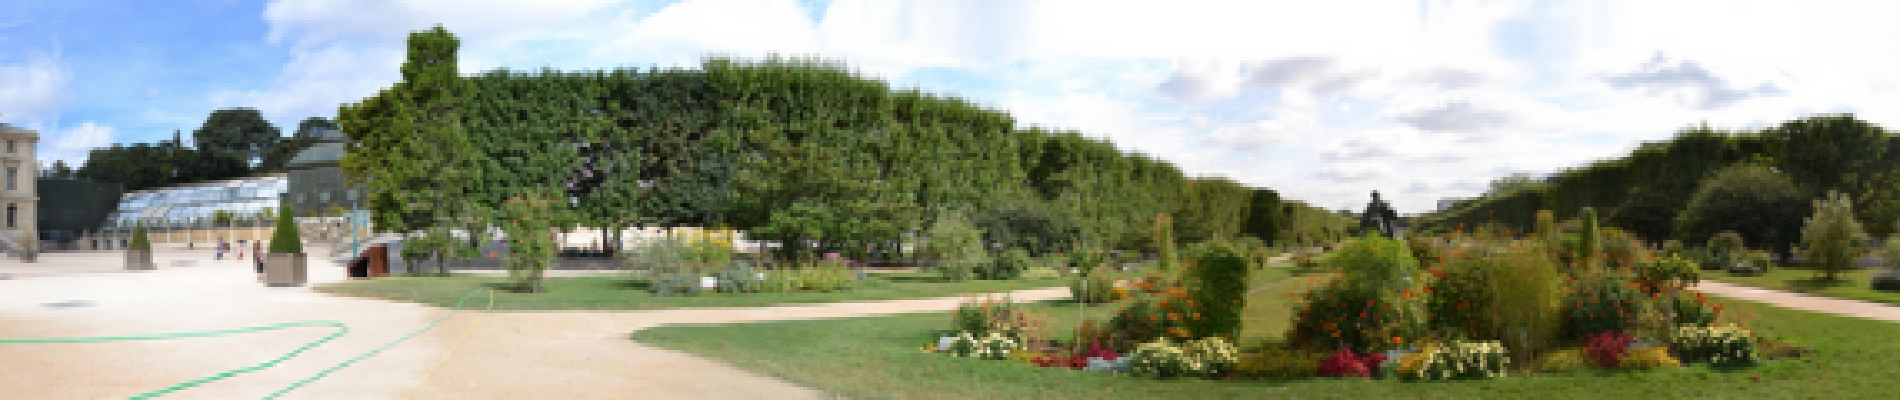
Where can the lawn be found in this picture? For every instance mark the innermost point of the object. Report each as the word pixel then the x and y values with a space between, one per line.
pixel 629 293
pixel 879 357
pixel 1853 284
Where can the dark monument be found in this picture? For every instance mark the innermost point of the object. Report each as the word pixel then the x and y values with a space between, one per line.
pixel 1379 217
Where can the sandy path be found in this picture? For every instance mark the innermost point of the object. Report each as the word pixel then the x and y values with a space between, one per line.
pixel 507 355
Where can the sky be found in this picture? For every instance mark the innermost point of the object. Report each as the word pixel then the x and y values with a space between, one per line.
pixel 1322 101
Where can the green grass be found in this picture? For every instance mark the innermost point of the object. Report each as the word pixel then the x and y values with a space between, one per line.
pixel 628 293
pixel 879 357
pixel 1852 284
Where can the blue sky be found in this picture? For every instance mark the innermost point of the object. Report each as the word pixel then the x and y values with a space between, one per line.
pixel 1322 101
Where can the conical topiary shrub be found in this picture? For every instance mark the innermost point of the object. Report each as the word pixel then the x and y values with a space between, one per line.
pixel 139 241
pixel 285 239
pixel 138 254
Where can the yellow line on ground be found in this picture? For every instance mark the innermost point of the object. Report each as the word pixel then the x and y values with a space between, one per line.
pixel 452 348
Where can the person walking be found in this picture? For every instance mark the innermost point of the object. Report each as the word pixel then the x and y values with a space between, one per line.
pixel 222 247
pixel 240 250
pixel 257 258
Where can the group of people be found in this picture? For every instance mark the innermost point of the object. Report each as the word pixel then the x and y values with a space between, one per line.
pixel 257 254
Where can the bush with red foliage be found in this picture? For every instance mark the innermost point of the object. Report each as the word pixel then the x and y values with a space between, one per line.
pixel 1607 348
pixel 1345 364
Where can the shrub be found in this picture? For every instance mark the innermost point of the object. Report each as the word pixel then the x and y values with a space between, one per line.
pixel 1377 302
pixel 1690 308
pixel 285 238
pixel 1096 287
pixel 1725 245
pixel 1460 360
pixel 1621 250
pixel 1668 274
pixel 1004 316
pixel 1214 356
pixel 1279 362
pixel 957 247
pixel 1834 240
pixel 1722 346
pixel 1513 296
pixel 1649 358
pixel 996 346
pixel 1425 250
pixel 741 278
pixel 1009 265
pixel 1218 279
pixel 1607 348
pixel 1164 314
pixel 964 345
pixel 139 241
pixel 1041 272
pixel 1345 364
pixel 1160 359
pixel 1565 360
pixel 1602 301
pixel 825 276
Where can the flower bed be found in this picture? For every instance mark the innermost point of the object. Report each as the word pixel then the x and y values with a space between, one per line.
pixel 1485 308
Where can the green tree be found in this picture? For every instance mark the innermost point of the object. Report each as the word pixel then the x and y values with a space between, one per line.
pixel 1213 208
pixel 1824 152
pixel 1832 238
pixel 1035 228
pixel 956 246
pixel 1265 219
pixel 428 169
pixel 1877 200
pixel 1648 213
pixel 240 131
pixel 1763 206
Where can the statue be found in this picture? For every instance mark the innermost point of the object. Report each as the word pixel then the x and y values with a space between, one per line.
pixel 1379 217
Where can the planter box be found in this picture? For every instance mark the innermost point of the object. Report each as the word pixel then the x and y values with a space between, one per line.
pixel 139 260
pixel 286 269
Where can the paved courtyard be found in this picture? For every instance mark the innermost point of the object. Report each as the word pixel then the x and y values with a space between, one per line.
pixel 507 355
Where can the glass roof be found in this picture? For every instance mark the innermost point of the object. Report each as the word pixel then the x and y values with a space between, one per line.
pixel 182 205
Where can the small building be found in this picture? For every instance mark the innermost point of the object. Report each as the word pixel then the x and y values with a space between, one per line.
pixel 317 183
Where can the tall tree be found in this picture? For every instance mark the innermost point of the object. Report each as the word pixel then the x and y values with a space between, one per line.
pixel 1265 218
pixel 1765 207
pixel 242 131
pixel 1825 152
pixel 413 152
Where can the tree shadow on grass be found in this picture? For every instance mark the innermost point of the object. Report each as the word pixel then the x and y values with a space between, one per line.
pixel 1815 284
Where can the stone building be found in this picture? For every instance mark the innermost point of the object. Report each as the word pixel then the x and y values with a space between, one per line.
pixel 19 232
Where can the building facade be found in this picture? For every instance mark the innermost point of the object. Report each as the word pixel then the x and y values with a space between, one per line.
pixel 317 183
pixel 19 167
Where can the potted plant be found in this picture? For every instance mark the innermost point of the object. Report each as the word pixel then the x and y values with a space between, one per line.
pixel 138 255
pixel 286 264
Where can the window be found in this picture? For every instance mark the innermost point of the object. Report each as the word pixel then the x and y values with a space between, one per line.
pixel 352 194
pixel 323 197
pixel 9 146
pixel 11 209
pixel 10 176
pixel 301 198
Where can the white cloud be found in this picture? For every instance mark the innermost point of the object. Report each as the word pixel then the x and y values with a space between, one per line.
pixel 33 91
pixel 73 145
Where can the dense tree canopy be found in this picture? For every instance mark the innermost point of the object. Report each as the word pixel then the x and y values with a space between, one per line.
pixel 1764 206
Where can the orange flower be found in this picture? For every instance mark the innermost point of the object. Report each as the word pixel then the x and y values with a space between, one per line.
pixel 1397 340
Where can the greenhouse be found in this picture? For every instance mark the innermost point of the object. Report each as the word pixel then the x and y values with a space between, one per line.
pixel 199 205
